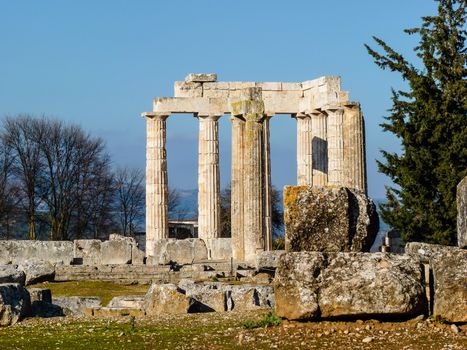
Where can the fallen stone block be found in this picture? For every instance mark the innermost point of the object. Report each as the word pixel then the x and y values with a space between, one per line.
pixel 87 251
pixel 40 294
pixel 127 302
pixel 11 274
pixel 207 300
pixel 425 252
pixel 310 285
pixel 115 252
pixel 219 248
pixel 76 305
pixel 166 299
pixel 37 271
pixel 14 303
pixel 328 219
pixel 450 285
pixel 54 252
pixel 105 312
pixel 462 213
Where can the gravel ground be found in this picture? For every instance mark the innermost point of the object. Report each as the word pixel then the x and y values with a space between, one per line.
pixel 226 331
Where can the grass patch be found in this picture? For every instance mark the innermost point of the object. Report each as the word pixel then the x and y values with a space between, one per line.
pixel 270 320
pixel 104 290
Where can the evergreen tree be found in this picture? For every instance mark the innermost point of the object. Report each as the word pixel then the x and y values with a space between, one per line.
pixel 430 121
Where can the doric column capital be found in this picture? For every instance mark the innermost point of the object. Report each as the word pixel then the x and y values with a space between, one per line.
pixel 155 115
pixel 208 117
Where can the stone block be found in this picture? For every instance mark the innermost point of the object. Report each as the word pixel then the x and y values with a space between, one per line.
pixel 462 213
pixel 106 312
pixel 328 219
pixel 450 285
pixel 11 274
pixel 220 85
pixel 291 86
pixel 115 252
pixel 37 271
pixel 14 303
pixel 76 306
pixel 270 86
pixel 310 285
pixel 188 89
pixel 268 260
pixel 18 251
pixel 127 302
pixel 207 300
pixel 183 251
pixel 40 294
pixel 425 252
pixel 201 77
pixel 166 299
pixel 87 251
pixel 219 248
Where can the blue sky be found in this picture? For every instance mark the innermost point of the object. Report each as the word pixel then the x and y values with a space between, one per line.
pixel 100 63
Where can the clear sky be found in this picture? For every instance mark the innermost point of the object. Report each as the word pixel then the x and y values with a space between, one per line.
pixel 99 63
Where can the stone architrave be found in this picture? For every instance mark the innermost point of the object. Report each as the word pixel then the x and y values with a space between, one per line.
pixel 157 225
pixel 251 108
pixel 335 146
pixel 208 178
pixel 319 149
pixel 304 150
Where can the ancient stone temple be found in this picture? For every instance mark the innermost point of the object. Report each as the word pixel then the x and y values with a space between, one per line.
pixel 330 151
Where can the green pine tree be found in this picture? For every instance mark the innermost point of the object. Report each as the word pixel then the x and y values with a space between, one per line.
pixel 430 121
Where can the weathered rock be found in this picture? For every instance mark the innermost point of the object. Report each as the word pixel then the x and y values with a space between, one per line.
pixel 328 219
pixel 11 274
pixel 268 260
pixel 14 303
pixel 311 285
pixel 104 312
pixel 207 299
pixel 182 251
pixel 462 213
pixel 425 252
pixel 76 305
pixel 450 284
pixel 166 299
pixel 37 271
pixel 127 302
pixel 18 251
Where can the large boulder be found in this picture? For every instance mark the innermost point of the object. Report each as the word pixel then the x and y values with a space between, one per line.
pixel 166 299
pixel 450 285
pixel 14 303
pixel 311 285
pixel 462 213
pixel 11 274
pixel 180 251
pixel 328 219
pixel 37 271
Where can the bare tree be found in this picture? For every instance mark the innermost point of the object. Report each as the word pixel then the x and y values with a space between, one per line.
pixel 22 135
pixel 130 198
pixel 9 191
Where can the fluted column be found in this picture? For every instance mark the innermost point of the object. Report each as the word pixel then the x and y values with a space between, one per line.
pixel 336 175
pixel 157 225
pixel 251 109
pixel 304 151
pixel 267 187
pixel 236 205
pixel 319 149
pixel 208 178
pixel 354 146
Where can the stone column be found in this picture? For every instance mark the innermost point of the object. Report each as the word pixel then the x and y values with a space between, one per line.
pixel 208 178
pixel 236 205
pixel 354 145
pixel 157 224
pixel 267 187
pixel 251 108
pixel 336 146
pixel 319 149
pixel 304 151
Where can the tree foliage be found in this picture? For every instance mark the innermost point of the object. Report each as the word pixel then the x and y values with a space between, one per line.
pixel 430 121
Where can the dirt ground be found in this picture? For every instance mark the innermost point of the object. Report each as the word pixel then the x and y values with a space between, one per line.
pixel 227 331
